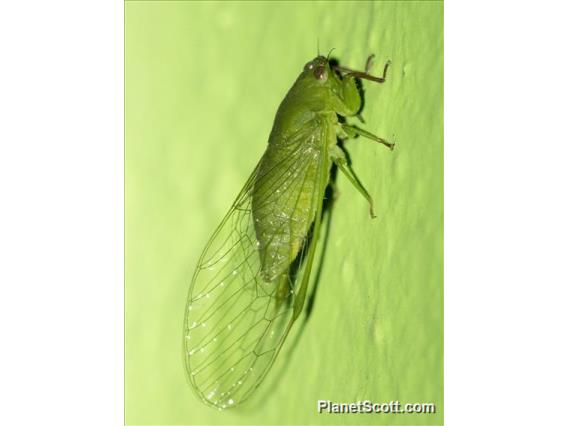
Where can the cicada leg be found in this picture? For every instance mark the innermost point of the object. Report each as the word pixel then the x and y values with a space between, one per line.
pixel 348 103
pixel 365 74
pixel 353 131
pixel 338 157
pixel 282 291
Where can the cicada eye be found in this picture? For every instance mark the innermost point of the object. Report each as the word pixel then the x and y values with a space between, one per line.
pixel 309 66
pixel 320 73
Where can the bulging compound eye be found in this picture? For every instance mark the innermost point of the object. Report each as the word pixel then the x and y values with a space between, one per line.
pixel 320 73
pixel 309 66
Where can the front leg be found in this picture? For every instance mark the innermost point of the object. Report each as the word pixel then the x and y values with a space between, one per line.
pixel 347 101
pixel 365 74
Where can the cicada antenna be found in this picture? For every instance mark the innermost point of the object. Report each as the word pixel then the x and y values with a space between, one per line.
pixel 332 49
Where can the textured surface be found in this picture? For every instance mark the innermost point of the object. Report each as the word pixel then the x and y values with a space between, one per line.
pixel 203 81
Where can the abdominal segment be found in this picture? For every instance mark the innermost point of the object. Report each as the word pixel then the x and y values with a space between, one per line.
pixel 283 210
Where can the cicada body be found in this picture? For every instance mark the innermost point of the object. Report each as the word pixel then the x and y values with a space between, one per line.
pixel 251 280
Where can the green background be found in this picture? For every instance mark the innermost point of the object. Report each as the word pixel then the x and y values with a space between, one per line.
pixel 202 84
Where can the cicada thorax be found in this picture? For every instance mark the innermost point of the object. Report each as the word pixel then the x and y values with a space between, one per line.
pixel 284 205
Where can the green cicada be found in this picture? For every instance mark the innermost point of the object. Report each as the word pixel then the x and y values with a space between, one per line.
pixel 251 280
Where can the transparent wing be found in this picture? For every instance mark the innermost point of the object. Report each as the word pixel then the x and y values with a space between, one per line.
pixel 235 321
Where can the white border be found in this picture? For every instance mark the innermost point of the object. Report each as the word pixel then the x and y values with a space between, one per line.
pixel 506 215
pixel 61 212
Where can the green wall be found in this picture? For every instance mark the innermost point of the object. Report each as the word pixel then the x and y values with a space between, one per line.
pixel 202 84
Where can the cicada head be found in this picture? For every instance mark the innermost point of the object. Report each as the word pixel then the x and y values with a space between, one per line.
pixel 318 68
pixel 317 75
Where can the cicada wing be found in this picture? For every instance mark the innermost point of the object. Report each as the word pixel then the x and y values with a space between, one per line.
pixel 235 321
